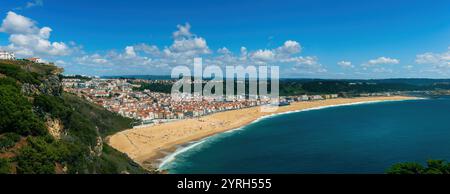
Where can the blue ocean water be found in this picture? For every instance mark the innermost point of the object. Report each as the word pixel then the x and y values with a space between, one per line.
pixel 366 138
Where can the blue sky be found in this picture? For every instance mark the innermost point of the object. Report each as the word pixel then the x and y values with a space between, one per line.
pixel 324 39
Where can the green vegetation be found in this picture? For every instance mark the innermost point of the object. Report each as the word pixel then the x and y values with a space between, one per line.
pixel 292 87
pixel 16 113
pixel 8 141
pixel 323 87
pixel 79 147
pixel 107 122
pixel 80 77
pixel 5 166
pixel 155 87
pixel 40 156
pixel 432 167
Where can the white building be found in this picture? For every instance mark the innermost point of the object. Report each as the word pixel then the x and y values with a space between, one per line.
pixel 5 55
pixel 37 60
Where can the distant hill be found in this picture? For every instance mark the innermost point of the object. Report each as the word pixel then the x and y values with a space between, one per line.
pixel 290 86
pixel 411 81
pixel 145 77
pixel 44 130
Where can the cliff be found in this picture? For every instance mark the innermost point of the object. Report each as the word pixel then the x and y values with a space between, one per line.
pixel 44 130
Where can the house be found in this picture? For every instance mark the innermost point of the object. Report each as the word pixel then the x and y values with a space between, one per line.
pixel 316 97
pixel 5 55
pixel 327 96
pixel 304 98
pixel 36 60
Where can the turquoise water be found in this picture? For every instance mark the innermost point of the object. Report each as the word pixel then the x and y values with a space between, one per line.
pixel 366 138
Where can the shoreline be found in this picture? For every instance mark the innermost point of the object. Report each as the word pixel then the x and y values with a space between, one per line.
pixel 155 146
pixel 186 147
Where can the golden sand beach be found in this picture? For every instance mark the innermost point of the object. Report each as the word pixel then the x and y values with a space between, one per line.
pixel 147 145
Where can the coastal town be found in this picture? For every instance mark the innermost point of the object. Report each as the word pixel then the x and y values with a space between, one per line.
pixel 124 97
pixel 127 98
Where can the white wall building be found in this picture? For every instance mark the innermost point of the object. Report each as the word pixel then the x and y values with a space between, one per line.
pixel 5 55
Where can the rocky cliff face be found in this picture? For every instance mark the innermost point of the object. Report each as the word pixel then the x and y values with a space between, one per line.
pixel 55 128
pixel 50 86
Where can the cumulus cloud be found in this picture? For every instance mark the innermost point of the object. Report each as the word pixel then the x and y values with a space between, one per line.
pixel 184 31
pixel 129 51
pixel 281 53
pixel 188 47
pixel 151 59
pixel 307 65
pixel 346 64
pixel 441 59
pixel 290 47
pixel 17 24
pixel 186 44
pixel 263 55
pixel 439 62
pixel 224 51
pixel 27 39
pixel 91 59
pixel 382 61
pixel 148 49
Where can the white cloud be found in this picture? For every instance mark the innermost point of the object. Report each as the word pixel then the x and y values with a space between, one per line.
pixel 290 47
pixel 148 49
pixel 45 32
pixel 34 3
pixel 434 58
pixel 381 61
pixel 186 44
pixel 346 64
pixel 151 59
pixel 439 62
pixel 27 39
pixel 224 51
pixel 183 32
pixel 282 53
pixel 129 51
pixel 91 59
pixel 306 65
pixel 17 24
pixel 263 55
pixel 189 47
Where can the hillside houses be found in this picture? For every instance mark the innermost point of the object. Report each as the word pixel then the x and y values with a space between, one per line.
pixel 5 55
pixel 123 97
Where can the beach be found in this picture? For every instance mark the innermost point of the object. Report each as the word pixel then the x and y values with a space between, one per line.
pixel 148 145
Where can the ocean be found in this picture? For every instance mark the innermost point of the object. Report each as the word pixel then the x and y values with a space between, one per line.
pixel 355 139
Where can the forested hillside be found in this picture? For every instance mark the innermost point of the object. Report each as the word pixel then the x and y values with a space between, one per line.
pixel 44 130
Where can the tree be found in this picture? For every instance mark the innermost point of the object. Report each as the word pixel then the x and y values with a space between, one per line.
pixel 406 168
pixel 16 113
pixel 433 167
pixel 5 167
